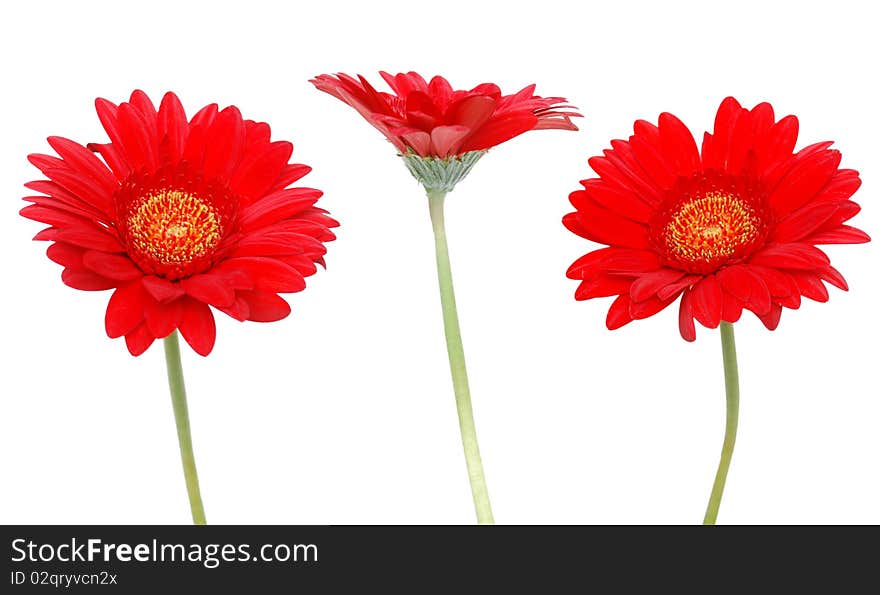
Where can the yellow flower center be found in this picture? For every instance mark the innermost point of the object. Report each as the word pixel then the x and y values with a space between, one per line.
pixel 171 229
pixel 711 228
pixel 709 221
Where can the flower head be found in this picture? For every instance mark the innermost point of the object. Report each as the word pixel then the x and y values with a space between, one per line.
pixel 433 120
pixel 730 227
pixel 177 217
pixel 441 132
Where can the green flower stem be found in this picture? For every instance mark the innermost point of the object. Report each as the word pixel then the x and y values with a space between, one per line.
pixel 181 418
pixel 731 384
pixel 457 365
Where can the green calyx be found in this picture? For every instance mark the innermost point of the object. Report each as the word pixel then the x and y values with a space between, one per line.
pixel 441 174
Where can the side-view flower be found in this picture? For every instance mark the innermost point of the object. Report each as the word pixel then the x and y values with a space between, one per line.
pixel 441 133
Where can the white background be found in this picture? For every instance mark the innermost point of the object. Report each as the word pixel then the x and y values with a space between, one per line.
pixel 344 412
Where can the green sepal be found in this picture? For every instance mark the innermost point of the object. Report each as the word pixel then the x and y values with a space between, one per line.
pixel 441 173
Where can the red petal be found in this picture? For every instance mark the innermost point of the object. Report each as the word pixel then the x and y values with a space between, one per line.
pixel 679 146
pixel 267 274
pixel 618 313
pixel 265 306
pixel 147 110
pixel 782 287
pixel 54 217
pixel 833 276
pixel 162 290
pixel 602 286
pixel 790 256
pixel 224 144
pixel 197 326
pixel 111 266
pixel 79 209
pixel 649 284
pixel 499 130
pixel 278 244
pixel 600 225
pixel 776 146
pixel 290 174
pixel 648 307
pixel 257 134
pixel 446 140
pixel 257 173
pixel 86 281
pixel 471 112
pixel 205 116
pixel 740 146
pixel 731 309
pixel 417 140
pixel 810 286
pixel 82 187
pixel 628 167
pixel 83 160
pixel 50 234
pixel 648 149
pixel 107 113
pixel 172 128
pixel 194 148
pixel 208 288
pixel 842 235
pixel 720 152
pixel 66 255
pixel 771 319
pixel 686 318
pixel 125 310
pixel 277 206
pixel 304 264
pixel 90 237
pixel 57 192
pixel 627 180
pixel 842 185
pixel 747 287
pixel 613 260
pixel 238 310
pixel 136 138
pixel 614 199
pixel 674 288
pixel 162 319
pixel 706 301
pixel 804 181
pixel 762 118
pixel 139 340
pixel 113 157
pixel 803 222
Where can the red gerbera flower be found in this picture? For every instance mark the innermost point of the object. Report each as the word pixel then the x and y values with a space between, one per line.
pixel 440 134
pixel 433 120
pixel 179 216
pixel 731 227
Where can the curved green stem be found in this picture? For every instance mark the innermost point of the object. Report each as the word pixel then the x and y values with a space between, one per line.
pixel 457 364
pixel 181 419
pixel 731 384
